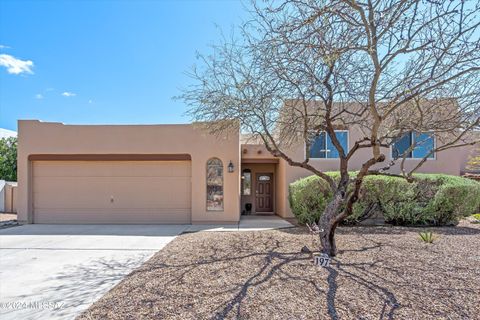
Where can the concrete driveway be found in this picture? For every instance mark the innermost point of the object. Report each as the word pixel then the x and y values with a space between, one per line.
pixel 57 271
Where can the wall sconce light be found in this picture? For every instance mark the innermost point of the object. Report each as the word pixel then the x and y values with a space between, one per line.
pixel 230 166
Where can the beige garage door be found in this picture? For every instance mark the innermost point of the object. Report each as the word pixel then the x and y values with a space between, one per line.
pixel 111 192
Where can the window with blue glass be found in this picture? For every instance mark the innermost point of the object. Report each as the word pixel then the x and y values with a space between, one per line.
pixel 322 146
pixel 423 144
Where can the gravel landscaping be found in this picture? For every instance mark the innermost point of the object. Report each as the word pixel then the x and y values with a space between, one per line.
pixel 380 273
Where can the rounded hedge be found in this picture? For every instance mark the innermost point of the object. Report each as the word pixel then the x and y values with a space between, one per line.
pixel 431 199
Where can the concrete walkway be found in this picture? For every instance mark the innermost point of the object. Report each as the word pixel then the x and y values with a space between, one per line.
pixel 58 271
pixel 246 223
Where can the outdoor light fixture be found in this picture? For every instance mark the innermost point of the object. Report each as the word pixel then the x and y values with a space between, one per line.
pixel 230 166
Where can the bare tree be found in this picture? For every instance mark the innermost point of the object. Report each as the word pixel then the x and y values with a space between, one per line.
pixel 386 67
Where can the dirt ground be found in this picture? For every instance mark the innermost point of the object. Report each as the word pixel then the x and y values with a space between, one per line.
pixel 380 273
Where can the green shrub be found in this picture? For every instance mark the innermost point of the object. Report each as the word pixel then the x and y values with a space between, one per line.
pixel 432 199
pixel 308 198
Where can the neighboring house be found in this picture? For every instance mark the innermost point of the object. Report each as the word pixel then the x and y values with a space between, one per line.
pixel 8 196
pixel 169 173
pixel 8 190
pixel 468 155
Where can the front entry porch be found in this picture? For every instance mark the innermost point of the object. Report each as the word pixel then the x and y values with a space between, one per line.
pixel 246 223
pixel 258 186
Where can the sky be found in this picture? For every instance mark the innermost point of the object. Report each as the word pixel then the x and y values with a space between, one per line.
pixel 104 62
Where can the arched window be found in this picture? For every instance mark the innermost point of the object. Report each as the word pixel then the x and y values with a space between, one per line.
pixel 214 185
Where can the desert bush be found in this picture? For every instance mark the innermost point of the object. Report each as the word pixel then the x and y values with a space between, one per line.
pixel 432 199
pixel 308 198
pixel 426 236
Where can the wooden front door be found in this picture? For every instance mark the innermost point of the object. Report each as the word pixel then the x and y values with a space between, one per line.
pixel 264 192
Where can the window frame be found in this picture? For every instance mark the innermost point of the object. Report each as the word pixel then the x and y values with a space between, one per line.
pixel 264 175
pixel 244 171
pixel 326 153
pixel 222 209
pixel 415 158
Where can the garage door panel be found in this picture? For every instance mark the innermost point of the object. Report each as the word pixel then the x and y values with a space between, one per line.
pixel 98 192
pixel 64 193
pixel 113 169
pixel 82 192
pixel 89 216
pixel 119 211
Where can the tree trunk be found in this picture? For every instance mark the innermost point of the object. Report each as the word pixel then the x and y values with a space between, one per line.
pixel 328 224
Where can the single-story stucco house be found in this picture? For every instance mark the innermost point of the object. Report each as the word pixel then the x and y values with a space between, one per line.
pixel 143 174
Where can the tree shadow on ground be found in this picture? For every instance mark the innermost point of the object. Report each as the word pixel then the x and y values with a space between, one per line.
pixel 390 302
pixel 275 262
pixel 76 287
pixel 265 275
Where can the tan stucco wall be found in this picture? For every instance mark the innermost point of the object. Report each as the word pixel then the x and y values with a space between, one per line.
pixel 35 137
pixel 255 151
pixel 449 161
pixel 283 180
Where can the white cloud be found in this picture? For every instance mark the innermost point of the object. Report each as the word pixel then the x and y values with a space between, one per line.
pixel 14 65
pixel 39 96
pixel 4 47
pixel 90 101
pixel 68 94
